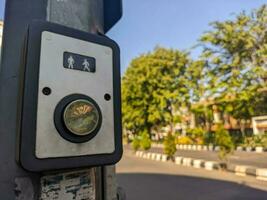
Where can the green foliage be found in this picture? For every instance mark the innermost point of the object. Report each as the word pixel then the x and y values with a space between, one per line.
pixel 256 141
pixel 169 146
pixel 196 134
pixel 153 87
pixel 135 143
pixel 204 115
pixel 224 141
pixel 184 140
pixel 209 138
pixel 263 141
pixel 235 51
pixel 145 142
pixel 237 138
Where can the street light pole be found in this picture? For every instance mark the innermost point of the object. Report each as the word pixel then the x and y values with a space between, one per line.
pixel 15 182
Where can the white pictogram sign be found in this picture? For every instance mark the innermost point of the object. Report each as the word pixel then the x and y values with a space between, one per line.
pixel 86 65
pixel 70 62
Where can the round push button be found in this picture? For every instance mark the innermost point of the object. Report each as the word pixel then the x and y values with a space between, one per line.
pixel 81 117
pixel 77 118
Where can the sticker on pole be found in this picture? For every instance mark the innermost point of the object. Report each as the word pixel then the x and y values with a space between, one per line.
pixel 77 185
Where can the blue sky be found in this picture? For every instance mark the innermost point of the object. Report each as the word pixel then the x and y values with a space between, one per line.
pixel 2 8
pixel 168 23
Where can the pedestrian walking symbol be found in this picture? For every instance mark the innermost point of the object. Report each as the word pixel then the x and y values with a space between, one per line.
pixel 70 62
pixel 86 65
pixel 79 62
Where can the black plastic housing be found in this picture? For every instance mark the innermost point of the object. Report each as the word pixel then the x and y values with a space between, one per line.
pixel 28 100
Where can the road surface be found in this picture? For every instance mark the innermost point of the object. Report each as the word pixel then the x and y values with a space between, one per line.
pixel 151 180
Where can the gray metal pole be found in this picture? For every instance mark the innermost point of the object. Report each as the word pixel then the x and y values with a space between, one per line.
pixel 16 183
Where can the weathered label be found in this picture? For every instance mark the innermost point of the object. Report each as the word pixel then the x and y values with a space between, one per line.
pixel 77 185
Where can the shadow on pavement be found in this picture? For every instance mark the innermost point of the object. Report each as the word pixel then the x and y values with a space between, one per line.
pixel 143 186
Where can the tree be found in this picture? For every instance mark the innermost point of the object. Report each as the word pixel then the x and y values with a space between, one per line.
pixel 135 101
pixel 153 88
pixel 201 105
pixel 195 75
pixel 236 54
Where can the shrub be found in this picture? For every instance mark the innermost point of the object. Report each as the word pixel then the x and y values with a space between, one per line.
pixel 136 143
pixel 264 140
pixel 261 140
pixel 237 137
pixel 169 146
pixel 256 141
pixel 184 140
pixel 196 134
pixel 249 142
pixel 199 141
pixel 224 140
pixel 209 138
pixel 145 142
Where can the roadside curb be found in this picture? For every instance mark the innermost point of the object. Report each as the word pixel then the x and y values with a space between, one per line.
pixel 239 170
pixel 213 148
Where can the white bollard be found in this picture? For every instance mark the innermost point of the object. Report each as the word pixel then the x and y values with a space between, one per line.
pixel 187 161
pixel 261 174
pixel 144 155
pixel 197 163
pixel 248 149
pixel 239 148
pixel 199 147
pixel 240 170
pixel 178 160
pixel 153 156
pixel 164 158
pixel 259 149
pixel 194 147
pixel 158 157
pixel 217 148
pixel 210 147
pixel 208 165
pixel 148 155
pixel 205 148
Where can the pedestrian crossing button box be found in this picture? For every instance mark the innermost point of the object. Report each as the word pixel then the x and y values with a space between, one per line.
pixel 69 108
